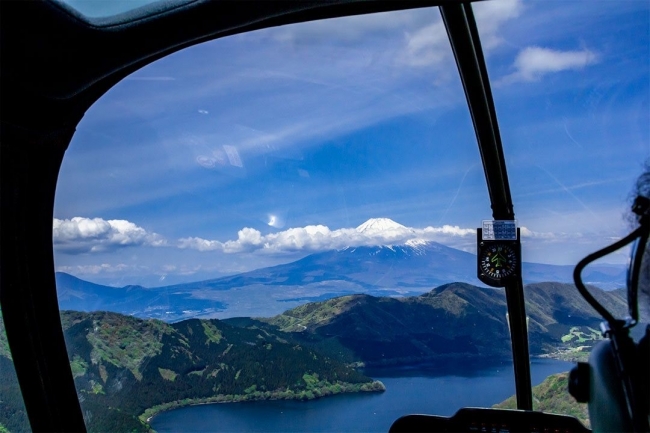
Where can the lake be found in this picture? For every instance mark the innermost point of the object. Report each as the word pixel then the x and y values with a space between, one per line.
pixel 408 390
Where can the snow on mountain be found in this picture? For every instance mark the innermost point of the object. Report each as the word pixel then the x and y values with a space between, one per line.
pixel 419 246
pixel 381 225
pixel 388 233
pixel 385 231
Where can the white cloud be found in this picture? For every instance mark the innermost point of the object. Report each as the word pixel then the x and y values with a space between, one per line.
pixel 429 45
pixel 320 238
pixel 534 62
pixel 490 16
pixel 97 269
pixel 449 230
pixel 90 235
pixel 199 244
pixel 316 238
pixel 548 236
pixel 425 37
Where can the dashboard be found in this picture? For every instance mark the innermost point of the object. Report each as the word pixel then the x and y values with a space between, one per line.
pixel 490 421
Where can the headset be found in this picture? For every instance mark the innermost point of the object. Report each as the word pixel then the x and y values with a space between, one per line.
pixel 616 380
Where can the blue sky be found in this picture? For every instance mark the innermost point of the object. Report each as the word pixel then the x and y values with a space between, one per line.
pixel 260 148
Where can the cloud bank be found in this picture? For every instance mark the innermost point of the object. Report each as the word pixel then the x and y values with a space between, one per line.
pixel 374 232
pixel 80 235
pixel 315 238
pixel 95 235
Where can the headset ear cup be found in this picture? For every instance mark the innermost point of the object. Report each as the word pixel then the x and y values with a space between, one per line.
pixel 579 382
pixel 607 402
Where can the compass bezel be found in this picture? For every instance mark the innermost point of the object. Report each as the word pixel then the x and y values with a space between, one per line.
pixel 512 258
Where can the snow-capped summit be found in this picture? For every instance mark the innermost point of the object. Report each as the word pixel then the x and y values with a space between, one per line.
pixel 376 226
pixel 416 243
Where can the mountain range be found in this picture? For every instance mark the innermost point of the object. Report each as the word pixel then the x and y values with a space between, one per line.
pixel 165 303
pixel 410 268
pixel 127 369
pixel 295 330
pixel 451 321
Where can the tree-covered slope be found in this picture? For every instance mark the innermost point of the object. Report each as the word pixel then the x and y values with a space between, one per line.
pixel 13 416
pixel 452 320
pixel 552 396
pixel 124 366
pixel 557 312
pixel 382 330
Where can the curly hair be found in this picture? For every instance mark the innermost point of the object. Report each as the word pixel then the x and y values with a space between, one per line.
pixel 642 188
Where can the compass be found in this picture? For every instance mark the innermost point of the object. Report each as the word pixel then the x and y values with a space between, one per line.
pixel 498 261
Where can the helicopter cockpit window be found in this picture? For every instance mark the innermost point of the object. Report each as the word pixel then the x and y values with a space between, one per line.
pixel 285 220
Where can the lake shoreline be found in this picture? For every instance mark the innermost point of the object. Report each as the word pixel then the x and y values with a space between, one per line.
pixel 304 395
pixel 416 391
pixel 148 415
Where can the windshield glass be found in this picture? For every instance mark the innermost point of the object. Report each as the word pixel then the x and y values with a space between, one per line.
pixel 572 101
pixel 571 87
pixel 278 144
pixel 288 217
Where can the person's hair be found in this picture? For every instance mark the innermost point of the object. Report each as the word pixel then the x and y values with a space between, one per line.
pixel 642 188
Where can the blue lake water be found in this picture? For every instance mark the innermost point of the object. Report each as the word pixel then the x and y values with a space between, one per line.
pixel 408 390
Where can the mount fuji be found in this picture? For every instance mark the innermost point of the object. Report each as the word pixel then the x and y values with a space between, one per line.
pixel 383 226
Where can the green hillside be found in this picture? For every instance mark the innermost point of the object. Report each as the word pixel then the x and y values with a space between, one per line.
pixel 127 369
pixel 455 320
pixel 13 416
pixel 562 323
pixel 552 396
pixel 382 331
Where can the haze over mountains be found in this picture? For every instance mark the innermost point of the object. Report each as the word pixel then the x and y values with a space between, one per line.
pixel 410 266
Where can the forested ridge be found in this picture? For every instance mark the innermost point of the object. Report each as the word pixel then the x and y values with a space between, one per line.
pixel 552 396
pixel 126 368
pixel 455 320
